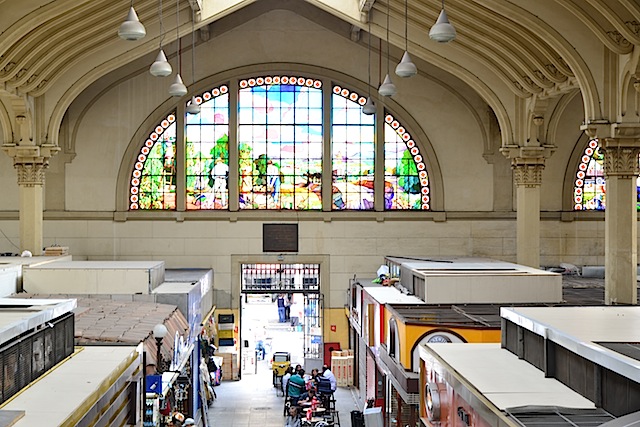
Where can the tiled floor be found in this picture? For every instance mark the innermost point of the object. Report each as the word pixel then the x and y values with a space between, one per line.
pixel 252 402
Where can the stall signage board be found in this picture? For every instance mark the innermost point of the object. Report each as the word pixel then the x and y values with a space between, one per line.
pixel 279 237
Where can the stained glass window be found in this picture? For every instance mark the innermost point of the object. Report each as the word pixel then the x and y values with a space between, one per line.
pixel 280 143
pixel 353 149
pixel 589 192
pixel 406 182
pixel 207 151
pixel 153 180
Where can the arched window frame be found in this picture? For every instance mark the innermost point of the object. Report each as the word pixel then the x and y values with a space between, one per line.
pixel 589 178
pixel 405 136
pixel 394 340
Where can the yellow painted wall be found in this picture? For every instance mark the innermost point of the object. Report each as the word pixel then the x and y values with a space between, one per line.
pixel 410 334
pixel 337 317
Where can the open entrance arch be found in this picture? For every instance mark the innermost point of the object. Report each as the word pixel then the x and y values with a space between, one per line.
pixel 280 310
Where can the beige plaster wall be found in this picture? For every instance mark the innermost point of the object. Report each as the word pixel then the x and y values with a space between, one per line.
pixel 447 115
pixel 444 118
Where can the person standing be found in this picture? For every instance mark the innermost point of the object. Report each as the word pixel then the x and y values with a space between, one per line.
pixel 287 307
pixel 281 310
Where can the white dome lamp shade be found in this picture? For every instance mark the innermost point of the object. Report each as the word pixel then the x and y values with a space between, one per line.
pixel 177 88
pixel 369 107
pixel 442 31
pixel 161 67
pixel 387 88
pixel 193 107
pixel 132 29
pixel 406 67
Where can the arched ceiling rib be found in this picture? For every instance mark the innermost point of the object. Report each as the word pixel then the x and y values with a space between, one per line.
pixel 506 38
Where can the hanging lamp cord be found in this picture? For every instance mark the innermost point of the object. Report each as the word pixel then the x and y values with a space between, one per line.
pixel 406 25
pixel 388 2
pixel 161 25
pixel 178 37
pixel 193 46
pixel 369 68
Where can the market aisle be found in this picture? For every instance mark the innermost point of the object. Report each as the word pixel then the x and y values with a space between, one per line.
pixel 252 402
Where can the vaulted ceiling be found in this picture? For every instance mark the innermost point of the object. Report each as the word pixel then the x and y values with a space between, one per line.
pixel 505 49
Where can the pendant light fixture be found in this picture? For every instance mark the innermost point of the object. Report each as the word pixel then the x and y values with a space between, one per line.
pixel 387 88
pixel 442 31
pixel 161 67
pixel 369 107
pixel 406 67
pixel 132 29
pixel 178 88
pixel 193 107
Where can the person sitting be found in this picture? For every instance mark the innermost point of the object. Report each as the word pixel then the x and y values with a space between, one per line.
pixel 324 385
pixel 285 379
pixel 326 373
pixel 307 397
pixel 295 386
pixel 293 420
pixel 176 420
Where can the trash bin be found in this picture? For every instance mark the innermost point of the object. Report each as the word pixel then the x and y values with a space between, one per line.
pixel 357 419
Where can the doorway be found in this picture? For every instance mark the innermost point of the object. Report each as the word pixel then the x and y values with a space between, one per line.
pixel 280 311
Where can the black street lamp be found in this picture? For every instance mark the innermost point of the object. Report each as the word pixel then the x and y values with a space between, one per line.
pixel 159 332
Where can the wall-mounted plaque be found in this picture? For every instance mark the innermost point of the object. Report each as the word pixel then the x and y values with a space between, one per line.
pixel 279 237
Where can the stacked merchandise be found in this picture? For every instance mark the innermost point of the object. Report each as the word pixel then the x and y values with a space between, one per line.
pixel 56 251
pixel 342 367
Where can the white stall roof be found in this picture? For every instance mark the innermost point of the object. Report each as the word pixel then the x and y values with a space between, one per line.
pixel 63 391
pixel 174 288
pixel 504 379
pixel 391 295
pixel 20 315
pixel 100 265
pixel 583 330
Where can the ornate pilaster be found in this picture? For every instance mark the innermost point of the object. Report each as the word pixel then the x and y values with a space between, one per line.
pixel 621 216
pixel 527 163
pixel 30 161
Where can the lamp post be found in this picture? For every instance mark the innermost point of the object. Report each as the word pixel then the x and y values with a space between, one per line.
pixel 159 332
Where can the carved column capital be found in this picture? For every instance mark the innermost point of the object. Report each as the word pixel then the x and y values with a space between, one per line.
pixel 30 161
pixel 30 174
pixel 620 156
pixel 527 174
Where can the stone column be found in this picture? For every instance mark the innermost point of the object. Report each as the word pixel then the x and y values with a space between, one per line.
pixel 528 178
pixel 621 217
pixel 528 163
pixel 30 162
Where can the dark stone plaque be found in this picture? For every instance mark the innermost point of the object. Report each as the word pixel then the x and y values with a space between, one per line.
pixel 279 237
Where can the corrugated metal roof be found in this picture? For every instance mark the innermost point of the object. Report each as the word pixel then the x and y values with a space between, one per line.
pixel 576 291
pixel 100 319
